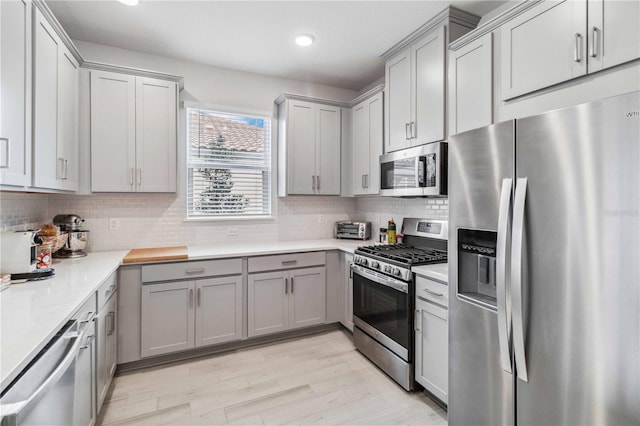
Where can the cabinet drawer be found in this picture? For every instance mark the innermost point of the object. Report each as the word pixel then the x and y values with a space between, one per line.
pixel 432 290
pixel 107 289
pixel 191 270
pixel 284 261
pixel 87 310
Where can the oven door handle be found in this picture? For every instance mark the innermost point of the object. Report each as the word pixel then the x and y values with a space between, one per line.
pixel 381 279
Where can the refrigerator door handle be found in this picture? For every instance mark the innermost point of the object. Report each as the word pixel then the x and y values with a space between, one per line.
pixel 517 278
pixel 502 293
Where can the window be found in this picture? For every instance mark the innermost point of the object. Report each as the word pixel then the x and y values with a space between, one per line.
pixel 228 165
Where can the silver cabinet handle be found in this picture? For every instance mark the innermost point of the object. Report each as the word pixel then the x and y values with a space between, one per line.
pixel 576 47
pixel 88 317
pixel 416 320
pixel 517 292
pixel 289 262
pixel 286 286
pixel 412 129
pixel 291 285
pixel 433 292
pixel 313 182
pixel 363 182
pixel 194 271
pixel 366 181
pixel 318 182
pixel 406 132
pixel 5 161
pixel 502 249
pixel 198 297
pixel 131 173
pixel 139 177
pixel 112 323
pixel 66 169
pixel 593 47
pixel 191 298
pixel 88 342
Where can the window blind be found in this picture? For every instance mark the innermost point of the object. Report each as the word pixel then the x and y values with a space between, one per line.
pixel 228 165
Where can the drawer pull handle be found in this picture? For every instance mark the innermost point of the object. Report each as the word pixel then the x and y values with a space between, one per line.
pixel 88 342
pixel 194 271
pixel 88 317
pixel 433 292
pixel 289 262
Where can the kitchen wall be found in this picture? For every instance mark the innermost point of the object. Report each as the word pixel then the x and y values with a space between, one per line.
pixel 378 210
pixel 20 210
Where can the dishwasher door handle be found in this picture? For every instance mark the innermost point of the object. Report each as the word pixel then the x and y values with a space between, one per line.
pixel 11 411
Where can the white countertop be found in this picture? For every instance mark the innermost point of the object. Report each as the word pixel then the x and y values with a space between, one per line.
pixel 276 247
pixel 438 272
pixel 32 313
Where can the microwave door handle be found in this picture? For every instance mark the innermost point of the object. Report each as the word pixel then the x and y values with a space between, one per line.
pixel 421 171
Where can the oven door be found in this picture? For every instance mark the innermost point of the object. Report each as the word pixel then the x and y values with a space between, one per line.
pixel 382 308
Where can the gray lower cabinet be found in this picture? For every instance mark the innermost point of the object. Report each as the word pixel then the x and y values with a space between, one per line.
pixel 185 314
pixel 84 412
pixel 107 346
pixel 347 260
pixel 432 337
pixel 285 300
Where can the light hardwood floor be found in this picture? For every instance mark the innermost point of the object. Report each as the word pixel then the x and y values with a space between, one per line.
pixel 318 379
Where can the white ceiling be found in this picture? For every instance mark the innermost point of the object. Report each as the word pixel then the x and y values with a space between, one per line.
pixel 257 36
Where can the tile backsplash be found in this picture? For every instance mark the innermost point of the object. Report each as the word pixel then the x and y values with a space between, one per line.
pixel 148 220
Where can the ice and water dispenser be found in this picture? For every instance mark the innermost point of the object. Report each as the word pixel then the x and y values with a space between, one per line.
pixel 477 266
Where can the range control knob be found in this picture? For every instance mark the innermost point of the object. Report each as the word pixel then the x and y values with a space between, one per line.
pixel 375 265
pixel 364 262
pixel 397 272
pixel 387 269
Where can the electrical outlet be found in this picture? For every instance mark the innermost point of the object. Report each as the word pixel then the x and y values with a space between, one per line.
pixel 320 218
pixel 114 224
pixel 233 232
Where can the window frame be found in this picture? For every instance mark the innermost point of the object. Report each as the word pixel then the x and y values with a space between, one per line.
pixel 229 110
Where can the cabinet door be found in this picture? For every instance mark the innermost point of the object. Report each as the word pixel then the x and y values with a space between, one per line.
pixel 47 160
pixel 111 348
pixel 375 143
pixel 102 325
pixel 68 118
pixel 167 318
pixel 307 289
pixel 360 148
pixel 397 101
pixel 471 86
pixel 301 148
pixel 432 348
pixel 428 55
pixel 113 127
pixel 614 33
pixel 328 150
pixel 156 135
pixel 544 46
pixel 348 299
pixel 84 403
pixel 218 310
pixel 15 102
pixel 268 303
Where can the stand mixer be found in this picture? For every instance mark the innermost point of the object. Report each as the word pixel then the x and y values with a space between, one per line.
pixel 71 224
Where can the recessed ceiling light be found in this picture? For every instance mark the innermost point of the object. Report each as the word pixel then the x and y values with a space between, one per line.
pixel 304 39
pixel 129 2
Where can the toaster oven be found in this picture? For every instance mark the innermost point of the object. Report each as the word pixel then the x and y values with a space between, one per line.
pixel 353 230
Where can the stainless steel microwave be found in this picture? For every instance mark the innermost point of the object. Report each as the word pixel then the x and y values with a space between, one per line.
pixel 415 172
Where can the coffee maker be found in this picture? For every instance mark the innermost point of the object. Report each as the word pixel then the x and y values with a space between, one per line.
pixel 18 251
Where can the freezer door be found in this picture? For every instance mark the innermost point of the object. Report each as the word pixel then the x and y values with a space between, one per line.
pixel 580 266
pixel 480 389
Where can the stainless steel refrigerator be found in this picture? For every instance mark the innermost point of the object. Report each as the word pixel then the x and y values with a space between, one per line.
pixel 544 267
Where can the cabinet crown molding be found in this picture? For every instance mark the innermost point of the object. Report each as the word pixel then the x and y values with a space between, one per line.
pixel 493 24
pixel 50 17
pixel 448 14
pixel 371 92
pixel 99 66
pixel 283 97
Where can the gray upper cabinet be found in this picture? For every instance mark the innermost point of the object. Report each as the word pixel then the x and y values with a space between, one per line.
pixel 309 147
pixel 367 139
pixel 471 85
pixel 555 41
pixel 415 81
pixel 15 102
pixel 55 115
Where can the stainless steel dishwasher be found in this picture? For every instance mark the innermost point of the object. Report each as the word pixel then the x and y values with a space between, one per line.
pixel 43 394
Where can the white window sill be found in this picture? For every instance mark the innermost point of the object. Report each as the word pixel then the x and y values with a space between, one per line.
pixel 271 218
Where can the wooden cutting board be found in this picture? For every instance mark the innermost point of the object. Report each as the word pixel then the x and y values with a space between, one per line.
pixel 157 254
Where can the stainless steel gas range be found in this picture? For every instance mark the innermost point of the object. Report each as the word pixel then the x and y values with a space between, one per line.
pixel 384 295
